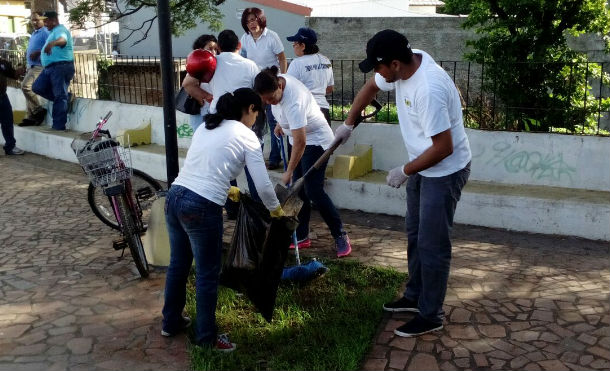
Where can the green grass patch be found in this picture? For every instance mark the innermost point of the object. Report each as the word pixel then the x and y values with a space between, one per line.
pixel 326 324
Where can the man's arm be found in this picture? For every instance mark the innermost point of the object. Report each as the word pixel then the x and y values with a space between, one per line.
pixel 7 69
pixel 442 146
pixel 362 99
pixel 60 41
pixel 191 85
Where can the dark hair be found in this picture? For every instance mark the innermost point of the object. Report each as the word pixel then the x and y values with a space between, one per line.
pixel 267 80
pixel 260 17
pixel 203 40
pixel 227 41
pixel 231 106
pixel 311 49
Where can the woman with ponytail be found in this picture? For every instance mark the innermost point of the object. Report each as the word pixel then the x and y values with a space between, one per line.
pixel 300 118
pixel 193 210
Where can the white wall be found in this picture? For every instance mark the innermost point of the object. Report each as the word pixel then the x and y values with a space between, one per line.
pixel 566 161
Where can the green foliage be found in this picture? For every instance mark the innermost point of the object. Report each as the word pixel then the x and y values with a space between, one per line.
pixel 456 7
pixel 326 324
pixel 387 114
pixel 528 65
pixel 184 14
pixel 103 80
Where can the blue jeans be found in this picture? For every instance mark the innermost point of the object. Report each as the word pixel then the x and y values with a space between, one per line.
pixel 6 122
pixel 195 230
pixel 313 190
pixel 52 84
pixel 431 204
pixel 274 154
pixel 195 121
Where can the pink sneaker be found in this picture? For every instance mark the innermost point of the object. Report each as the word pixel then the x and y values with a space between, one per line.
pixel 303 244
pixel 344 247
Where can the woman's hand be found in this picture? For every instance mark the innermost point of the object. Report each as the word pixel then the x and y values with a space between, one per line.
pixel 286 177
pixel 278 130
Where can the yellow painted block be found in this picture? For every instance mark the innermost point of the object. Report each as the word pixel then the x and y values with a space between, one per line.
pixel 18 117
pixel 141 135
pixel 355 164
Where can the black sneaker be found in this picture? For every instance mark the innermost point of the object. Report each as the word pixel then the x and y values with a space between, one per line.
pixel 401 305
pixel 417 326
pixel 186 323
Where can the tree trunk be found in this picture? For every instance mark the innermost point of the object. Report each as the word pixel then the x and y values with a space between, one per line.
pixel 44 5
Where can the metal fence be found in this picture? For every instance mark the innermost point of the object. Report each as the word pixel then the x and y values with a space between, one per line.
pixel 137 80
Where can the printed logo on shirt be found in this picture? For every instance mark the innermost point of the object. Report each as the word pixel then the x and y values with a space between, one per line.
pixel 321 66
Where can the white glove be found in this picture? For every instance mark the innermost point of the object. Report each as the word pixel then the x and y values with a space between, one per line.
pixel 343 133
pixel 396 177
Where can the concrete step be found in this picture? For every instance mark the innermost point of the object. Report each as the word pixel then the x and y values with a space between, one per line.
pixel 539 209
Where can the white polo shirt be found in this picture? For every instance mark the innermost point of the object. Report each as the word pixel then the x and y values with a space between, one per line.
pixel 232 72
pixel 216 156
pixel 264 50
pixel 428 103
pixel 316 73
pixel 299 109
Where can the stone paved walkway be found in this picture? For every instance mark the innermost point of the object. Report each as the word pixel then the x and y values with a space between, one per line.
pixel 515 301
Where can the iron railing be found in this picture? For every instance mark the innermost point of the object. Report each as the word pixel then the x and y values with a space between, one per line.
pixel 137 80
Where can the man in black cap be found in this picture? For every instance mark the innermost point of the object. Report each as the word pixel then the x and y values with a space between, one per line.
pixel 57 58
pixel 430 117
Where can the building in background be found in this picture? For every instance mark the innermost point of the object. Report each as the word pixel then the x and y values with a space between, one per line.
pixel 14 17
pixel 283 17
pixel 370 8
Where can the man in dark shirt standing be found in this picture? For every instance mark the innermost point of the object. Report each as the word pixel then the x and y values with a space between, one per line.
pixel 6 110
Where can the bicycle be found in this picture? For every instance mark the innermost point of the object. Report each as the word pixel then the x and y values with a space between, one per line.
pixel 118 195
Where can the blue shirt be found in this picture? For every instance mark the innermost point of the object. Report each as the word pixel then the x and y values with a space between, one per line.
pixel 58 53
pixel 37 41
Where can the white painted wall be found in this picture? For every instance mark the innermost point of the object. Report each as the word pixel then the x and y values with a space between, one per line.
pixel 566 161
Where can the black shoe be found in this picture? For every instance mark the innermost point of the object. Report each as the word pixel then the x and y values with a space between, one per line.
pixel 14 152
pixel 273 165
pixel 186 323
pixel 40 115
pixel 417 326
pixel 401 305
pixel 28 122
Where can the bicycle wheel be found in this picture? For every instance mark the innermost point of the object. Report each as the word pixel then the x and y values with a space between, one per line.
pixel 131 234
pixel 145 190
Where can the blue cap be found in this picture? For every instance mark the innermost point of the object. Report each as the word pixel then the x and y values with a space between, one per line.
pixel 305 35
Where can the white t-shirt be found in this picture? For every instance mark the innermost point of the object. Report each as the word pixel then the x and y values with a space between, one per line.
pixel 232 72
pixel 299 109
pixel 264 50
pixel 428 103
pixel 316 73
pixel 216 156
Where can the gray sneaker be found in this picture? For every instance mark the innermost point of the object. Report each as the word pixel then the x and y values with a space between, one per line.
pixel 15 151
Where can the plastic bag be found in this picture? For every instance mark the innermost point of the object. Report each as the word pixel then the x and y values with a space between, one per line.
pixel 257 255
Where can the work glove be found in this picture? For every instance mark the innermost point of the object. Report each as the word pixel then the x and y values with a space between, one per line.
pixel 396 177
pixel 278 212
pixel 343 133
pixel 234 194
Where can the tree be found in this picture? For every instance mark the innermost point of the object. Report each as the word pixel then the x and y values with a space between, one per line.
pixel 456 7
pixel 527 62
pixel 185 14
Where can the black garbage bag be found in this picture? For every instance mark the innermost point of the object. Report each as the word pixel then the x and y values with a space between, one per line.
pixel 257 254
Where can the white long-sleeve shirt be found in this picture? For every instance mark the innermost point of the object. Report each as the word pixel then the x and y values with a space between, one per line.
pixel 216 156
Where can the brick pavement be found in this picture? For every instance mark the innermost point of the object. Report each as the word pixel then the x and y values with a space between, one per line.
pixel 515 301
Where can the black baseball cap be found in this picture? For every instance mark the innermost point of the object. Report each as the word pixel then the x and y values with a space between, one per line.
pixel 385 46
pixel 49 14
pixel 305 35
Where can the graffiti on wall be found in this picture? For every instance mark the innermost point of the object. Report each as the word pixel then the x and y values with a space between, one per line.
pixel 185 130
pixel 540 166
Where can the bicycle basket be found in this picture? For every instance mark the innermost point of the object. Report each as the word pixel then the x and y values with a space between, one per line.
pixel 104 160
